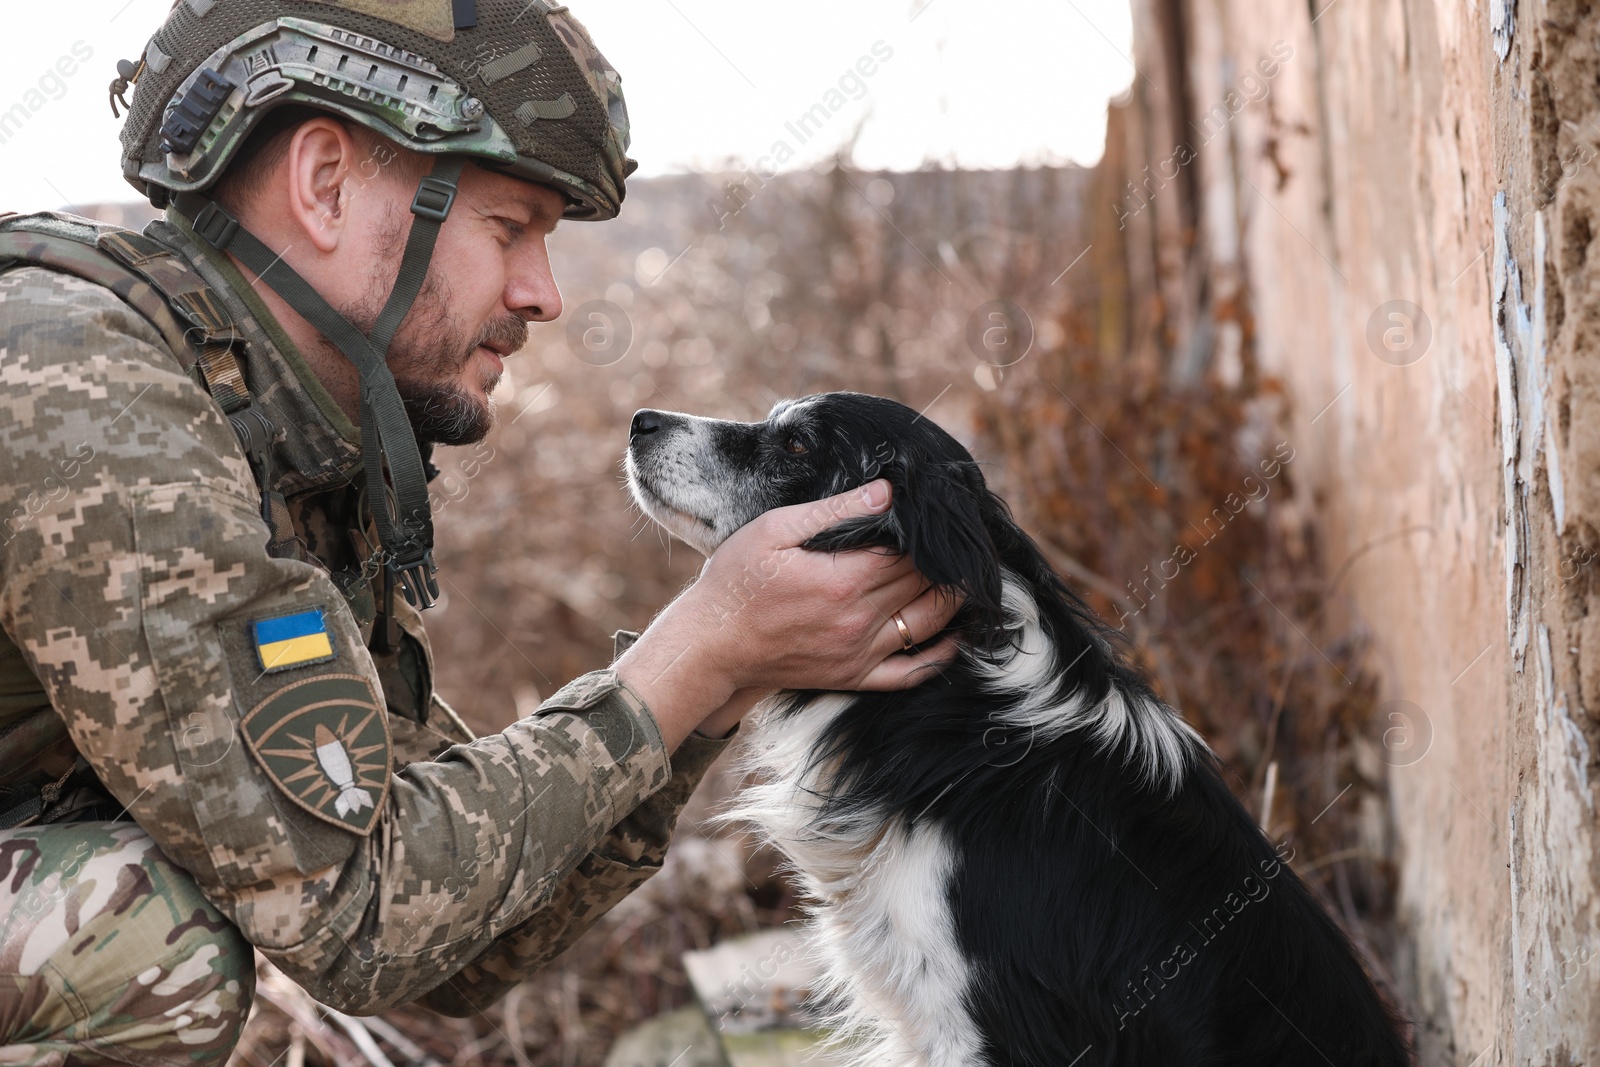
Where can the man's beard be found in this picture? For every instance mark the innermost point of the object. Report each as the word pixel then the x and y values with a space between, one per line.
pixel 427 355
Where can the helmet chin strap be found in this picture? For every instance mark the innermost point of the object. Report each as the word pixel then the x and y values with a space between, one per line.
pixel 404 522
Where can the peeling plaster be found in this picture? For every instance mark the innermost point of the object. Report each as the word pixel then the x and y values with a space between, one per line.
pixel 1527 434
pixel 1502 21
pixel 1541 419
pixel 1513 333
pixel 1574 746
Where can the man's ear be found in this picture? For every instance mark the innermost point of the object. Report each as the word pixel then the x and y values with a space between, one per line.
pixel 936 518
pixel 319 170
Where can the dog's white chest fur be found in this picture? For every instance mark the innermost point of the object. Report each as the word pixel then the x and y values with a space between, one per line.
pixel 882 919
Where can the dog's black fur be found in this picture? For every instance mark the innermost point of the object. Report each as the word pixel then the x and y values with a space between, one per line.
pixel 1112 909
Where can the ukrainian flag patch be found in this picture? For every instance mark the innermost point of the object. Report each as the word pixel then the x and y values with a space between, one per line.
pixel 293 640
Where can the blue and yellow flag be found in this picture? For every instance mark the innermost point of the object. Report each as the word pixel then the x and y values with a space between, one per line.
pixel 293 640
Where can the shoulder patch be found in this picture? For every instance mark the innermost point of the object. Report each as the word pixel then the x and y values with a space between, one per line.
pixel 297 640
pixel 324 742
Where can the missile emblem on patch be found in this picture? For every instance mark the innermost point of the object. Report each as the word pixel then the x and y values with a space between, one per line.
pixel 325 742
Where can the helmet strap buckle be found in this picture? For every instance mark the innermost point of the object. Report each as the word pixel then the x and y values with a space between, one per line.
pixel 435 196
pixel 215 226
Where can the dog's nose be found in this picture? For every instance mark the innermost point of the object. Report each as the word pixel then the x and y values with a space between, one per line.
pixel 645 421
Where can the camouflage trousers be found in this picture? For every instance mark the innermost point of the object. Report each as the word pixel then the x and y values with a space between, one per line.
pixel 110 955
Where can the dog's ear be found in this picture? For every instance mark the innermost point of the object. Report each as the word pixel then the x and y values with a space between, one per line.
pixel 937 519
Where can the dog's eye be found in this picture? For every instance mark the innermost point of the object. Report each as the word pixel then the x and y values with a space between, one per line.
pixel 795 445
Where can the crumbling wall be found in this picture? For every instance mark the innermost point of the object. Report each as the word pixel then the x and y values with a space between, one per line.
pixel 1388 206
pixel 1546 322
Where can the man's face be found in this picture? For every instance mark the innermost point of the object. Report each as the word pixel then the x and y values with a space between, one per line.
pixel 488 278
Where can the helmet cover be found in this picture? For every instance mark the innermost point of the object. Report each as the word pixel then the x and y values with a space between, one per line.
pixel 517 84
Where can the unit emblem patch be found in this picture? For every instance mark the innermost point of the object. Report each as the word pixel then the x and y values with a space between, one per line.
pixel 325 743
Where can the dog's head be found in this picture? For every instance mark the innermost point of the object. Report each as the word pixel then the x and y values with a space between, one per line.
pixel 702 479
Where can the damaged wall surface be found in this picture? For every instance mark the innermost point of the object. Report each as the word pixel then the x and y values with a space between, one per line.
pixel 1388 205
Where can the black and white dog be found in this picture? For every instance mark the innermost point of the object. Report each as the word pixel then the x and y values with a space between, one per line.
pixel 1029 859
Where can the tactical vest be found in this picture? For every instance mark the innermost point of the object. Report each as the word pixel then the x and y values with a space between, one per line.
pixel 174 298
pixel 162 287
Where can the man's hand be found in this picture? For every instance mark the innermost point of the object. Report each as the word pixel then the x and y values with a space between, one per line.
pixel 767 614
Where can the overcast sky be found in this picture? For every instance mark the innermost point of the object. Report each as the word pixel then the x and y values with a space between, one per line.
pixel 709 82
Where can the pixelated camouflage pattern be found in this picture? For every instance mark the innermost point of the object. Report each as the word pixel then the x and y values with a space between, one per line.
pixel 110 954
pixel 69 243
pixel 130 599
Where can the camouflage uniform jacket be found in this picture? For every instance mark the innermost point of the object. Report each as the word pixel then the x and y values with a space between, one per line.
pixel 222 688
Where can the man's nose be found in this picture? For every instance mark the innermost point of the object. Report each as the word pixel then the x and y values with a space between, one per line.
pixel 532 290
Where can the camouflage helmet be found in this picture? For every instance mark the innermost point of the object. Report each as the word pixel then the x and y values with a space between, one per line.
pixel 517 84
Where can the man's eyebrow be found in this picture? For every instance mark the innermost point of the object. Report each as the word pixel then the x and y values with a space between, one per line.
pixel 542 214
pixel 509 208
pixel 536 209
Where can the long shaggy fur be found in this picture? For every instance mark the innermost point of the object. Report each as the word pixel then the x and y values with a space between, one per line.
pixel 1028 859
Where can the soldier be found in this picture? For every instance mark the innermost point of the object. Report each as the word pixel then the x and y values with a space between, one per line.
pixel 219 727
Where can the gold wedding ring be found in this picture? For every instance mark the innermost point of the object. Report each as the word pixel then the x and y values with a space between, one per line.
pixel 905 631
